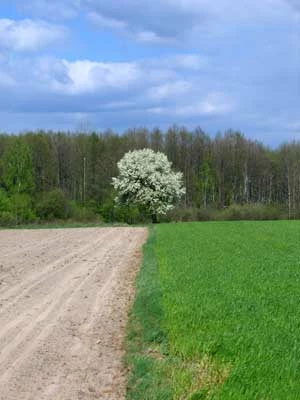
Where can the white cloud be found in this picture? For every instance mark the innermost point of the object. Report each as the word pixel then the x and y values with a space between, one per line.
pixel 88 76
pixel 164 22
pixel 193 63
pixel 189 61
pixel 242 73
pixel 53 84
pixel 177 22
pixel 169 90
pixel 157 78
pixel 209 105
pixel 156 22
pixel 123 28
pixel 28 35
pixel 53 9
pixel 101 21
pixel 152 38
pixel 212 104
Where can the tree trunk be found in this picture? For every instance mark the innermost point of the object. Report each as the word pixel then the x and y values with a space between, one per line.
pixel 154 218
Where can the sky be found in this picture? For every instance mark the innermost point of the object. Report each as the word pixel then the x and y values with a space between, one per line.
pixel 99 64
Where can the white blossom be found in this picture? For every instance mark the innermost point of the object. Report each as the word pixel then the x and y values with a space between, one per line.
pixel 146 179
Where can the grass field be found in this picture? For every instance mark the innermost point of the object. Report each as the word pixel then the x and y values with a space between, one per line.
pixel 217 314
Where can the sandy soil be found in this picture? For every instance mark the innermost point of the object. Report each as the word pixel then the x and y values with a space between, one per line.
pixel 64 298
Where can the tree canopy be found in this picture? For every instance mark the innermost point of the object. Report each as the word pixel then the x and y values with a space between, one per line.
pixel 18 168
pixel 147 180
pixel 219 173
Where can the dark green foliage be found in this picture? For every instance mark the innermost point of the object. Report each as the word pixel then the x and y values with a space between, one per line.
pixel 21 208
pixel 83 213
pixel 235 212
pixel 17 167
pixel 7 218
pixel 4 201
pixel 220 174
pixel 44 160
pixel 15 209
pixel 190 214
pixel 129 214
pixel 53 205
pixel 248 212
pixel 231 292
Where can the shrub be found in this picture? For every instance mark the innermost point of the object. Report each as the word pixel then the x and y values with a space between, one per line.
pixel 4 201
pixel 234 212
pixel 21 208
pixel 53 205
pixel 7 218
pixel 181 215
pixel 190 214
pixel 250 212
pixel 129 214
pixel 83 213
pixel 16 209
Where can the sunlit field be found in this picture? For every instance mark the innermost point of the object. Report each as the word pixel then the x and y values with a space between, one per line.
pixel 228 321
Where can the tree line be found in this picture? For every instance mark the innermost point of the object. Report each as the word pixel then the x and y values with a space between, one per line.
pixel 59 175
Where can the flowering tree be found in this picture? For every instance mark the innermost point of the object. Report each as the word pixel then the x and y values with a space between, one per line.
pixel 147 180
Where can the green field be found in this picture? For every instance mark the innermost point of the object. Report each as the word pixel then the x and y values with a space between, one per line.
pixel 217 313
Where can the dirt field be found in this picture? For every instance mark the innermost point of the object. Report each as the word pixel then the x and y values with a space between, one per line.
pixel 64 297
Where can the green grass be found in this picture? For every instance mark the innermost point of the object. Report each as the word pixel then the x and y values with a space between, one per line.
pixel 155 373
pixel 148 379
pixel 225 299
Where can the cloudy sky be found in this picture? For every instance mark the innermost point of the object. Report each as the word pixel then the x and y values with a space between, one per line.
pixel 122 63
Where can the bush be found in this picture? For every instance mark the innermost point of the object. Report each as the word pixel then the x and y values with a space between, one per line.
pixel 21 208
pixel 107 210
pixel 190 214
pixel 253 212
pixel 129 214
pixel 234 212
pixel 53 205
pixel 16 209
pixel 4 201
pixel 181 215
pixel 83 213
pixel 7 218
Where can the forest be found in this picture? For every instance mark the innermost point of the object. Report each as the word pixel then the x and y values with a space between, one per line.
pixel 46 176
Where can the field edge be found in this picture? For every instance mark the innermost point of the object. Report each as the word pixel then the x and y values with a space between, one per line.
pixel 146 341
pixel 155 372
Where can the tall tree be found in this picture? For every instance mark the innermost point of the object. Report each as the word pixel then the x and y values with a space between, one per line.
pixel 17 167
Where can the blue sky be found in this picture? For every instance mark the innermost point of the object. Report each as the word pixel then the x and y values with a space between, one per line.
pixel 217 64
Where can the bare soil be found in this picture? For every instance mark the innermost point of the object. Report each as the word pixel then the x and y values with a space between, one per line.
pixel 64 299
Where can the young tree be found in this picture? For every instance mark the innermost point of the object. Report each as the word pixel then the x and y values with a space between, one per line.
pixel 18 168
pixel 147 180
